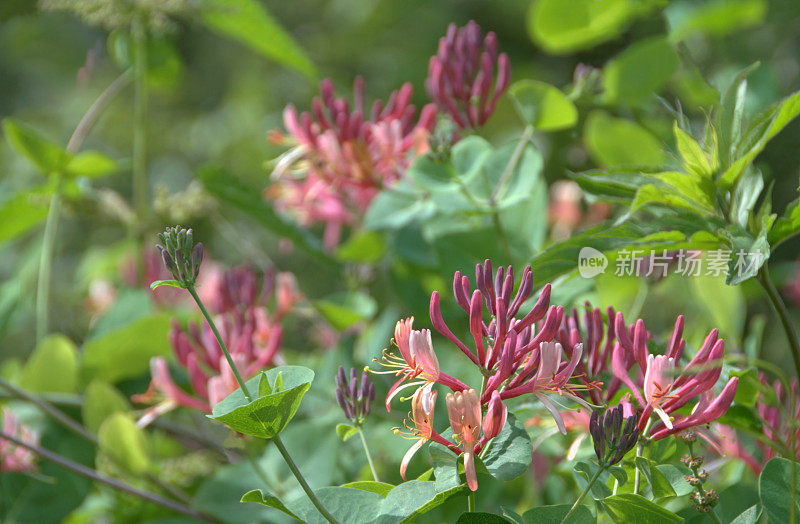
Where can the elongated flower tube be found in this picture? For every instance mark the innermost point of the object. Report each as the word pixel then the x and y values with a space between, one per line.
pixel 423 403
pixel 417 364
pixel 467 75
pixel 464 411
pixel 343 155
pixel 495 418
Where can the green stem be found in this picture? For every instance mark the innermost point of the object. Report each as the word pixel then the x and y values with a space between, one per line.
pixel 516 156
pixel 637 475
pixel 89 473
pixel 139 168
pixel 302 480
pixel 594 478
pixel 471 501
pixel 783 314
pixel 284 453
pixel 366 450
pixel 46 261
pixel 221 342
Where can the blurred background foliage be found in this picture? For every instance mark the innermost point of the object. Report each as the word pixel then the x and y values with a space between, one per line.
pixel 213 100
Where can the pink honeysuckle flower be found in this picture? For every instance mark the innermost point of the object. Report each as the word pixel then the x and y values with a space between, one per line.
pixel 495 418
pixel 417 365
pixel 464 411
pixel 658 387
pixel 423 403
pixel 776 418
pixel 343 157
pixel 14 458
pixel 251 332
pixel 461 74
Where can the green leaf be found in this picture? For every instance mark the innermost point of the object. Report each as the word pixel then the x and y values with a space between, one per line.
pixel 748 516
pixel 676 476
pixel 765 126
pixel 785 227
pixel 159 283
pixel 747 256
pixel 47 156
pixel 52 367
pixel 124 442
pixel 220 493
pixel 432 174
pixel 714 18
pixel 617 185
pixel 21 213
pixel 445 467
pixel 543 106
pixel 619 474
pixel 641 70
pixel 235 193
pixel 248 22
pixel 563 27
pixel 510 453
pixel 101 400
pixel 659 485
pixel 617 142
pixel 267 499
pixel 635 508
pixel 265 416
pixel 365 247
pixel 779 489
pixel 92 164
pixel 381 488
pixel 749 387
pixel 745 197
pixel 125 352
pixel 556 514
pixel 343 310
pixel 729 116
pixel 694 158
pixel 480 518
pixel 397 207
pixel 412 499
pixel 345 431
pixel 347 505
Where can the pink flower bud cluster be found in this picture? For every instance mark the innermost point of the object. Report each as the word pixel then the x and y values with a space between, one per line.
pixel 14 458
pixel 467 75
pixel 251 331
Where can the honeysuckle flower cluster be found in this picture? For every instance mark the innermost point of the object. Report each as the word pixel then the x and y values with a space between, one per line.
pixel 238 299
pixel 342 155
pixel 14 458
pixel 588 361
pixel 780 419
pixel 353 396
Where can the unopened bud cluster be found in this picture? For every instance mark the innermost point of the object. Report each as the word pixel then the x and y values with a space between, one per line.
pixel 180 254
pixel 354 397
pixel 702 500
pixel 612 439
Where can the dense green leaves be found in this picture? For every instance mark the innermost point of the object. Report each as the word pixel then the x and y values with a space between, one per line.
pixel 556 514
pixel 248 22
pixel 779 489
pixel 280 391
pixel 619 142
pixel 543 106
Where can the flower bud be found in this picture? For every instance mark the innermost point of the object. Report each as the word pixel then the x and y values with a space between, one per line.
pixel 495 417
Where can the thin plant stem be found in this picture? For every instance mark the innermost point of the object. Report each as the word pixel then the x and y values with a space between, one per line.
pixel 637 475
pixel 51 225
pixel 50 409
pixel 276 439
pixel 471 501
pixel 46 261
pixel 366 451
pixel 299 476
pixel 221 342
pixel 89 473
pixel 516 156
pixel 783 314
pixel 594 478
pixel 139 160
